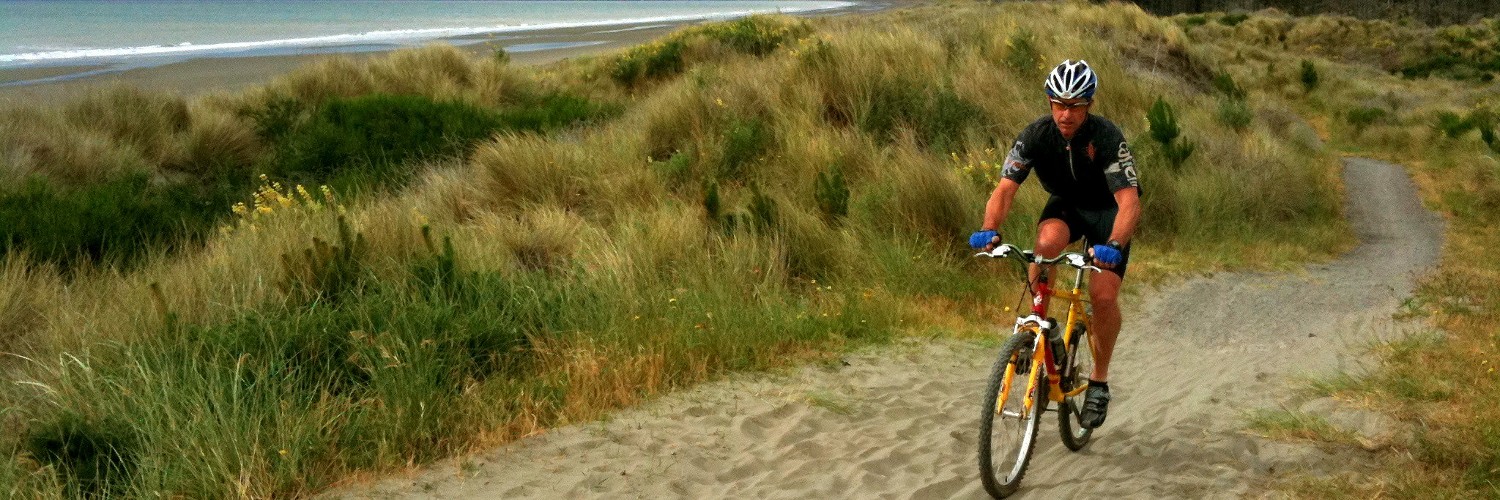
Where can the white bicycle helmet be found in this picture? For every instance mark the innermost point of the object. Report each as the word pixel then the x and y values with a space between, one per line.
pixel 1072 80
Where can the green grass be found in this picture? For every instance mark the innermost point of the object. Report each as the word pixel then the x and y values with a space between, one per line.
pixel 113 222
pixel 1288 424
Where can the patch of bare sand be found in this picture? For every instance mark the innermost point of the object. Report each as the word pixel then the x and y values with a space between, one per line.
pixel 900 422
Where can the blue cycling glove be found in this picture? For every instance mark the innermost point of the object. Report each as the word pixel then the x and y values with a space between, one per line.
pixel 981 239
pixel 1106 254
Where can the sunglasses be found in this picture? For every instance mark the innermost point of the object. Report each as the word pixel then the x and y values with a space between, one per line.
pixel 1057 103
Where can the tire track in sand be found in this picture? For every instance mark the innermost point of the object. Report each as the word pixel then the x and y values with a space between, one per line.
pixel 899 422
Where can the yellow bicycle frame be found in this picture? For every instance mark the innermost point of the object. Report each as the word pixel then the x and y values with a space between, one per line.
pixel 1041 357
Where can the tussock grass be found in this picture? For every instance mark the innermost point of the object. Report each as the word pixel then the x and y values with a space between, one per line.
pixel 538 275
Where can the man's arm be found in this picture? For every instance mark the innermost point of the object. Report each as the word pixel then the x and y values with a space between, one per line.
pixel 1129 200
pixel 999 204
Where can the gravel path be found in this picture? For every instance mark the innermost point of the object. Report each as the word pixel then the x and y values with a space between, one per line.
pixel 899 422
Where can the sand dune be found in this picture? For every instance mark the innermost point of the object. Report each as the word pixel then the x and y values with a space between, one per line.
pixel 900 421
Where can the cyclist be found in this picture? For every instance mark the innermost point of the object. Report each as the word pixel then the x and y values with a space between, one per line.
pixel 1083 162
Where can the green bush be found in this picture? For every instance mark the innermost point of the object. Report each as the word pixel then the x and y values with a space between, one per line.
pixel 762 209
pixel 648 62
pixel 1364 116
pixel 744 142
pixel 364 141
pixel 756 35
pixel 1163 122
pixel 1452 125
pixel 554 111
pixel 1309 75
pixel 114 222
pixel 1193 20
pixel 713 206
pixel 832 194
pixel 1023 56
pixel 937 116
pixel 1164 130
pixel 95 455
pixel 278 119
pixel 676 170
pixel 1235 114
pixel 368 141
pixel 326 272
pixel 1225 84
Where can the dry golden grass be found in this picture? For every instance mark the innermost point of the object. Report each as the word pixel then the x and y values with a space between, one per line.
pixel 656 294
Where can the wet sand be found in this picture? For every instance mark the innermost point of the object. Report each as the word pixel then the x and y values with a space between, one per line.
pixel 202 75
pixel 196 76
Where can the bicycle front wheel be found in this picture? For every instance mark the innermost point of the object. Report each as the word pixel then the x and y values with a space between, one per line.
pixel 1007 423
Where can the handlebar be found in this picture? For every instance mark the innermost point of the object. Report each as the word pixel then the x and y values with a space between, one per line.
pixel 1072 259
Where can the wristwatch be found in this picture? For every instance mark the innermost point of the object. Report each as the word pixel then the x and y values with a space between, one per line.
pixel 1115 244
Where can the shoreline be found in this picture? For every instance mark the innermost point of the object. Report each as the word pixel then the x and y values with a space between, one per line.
pixel 195 76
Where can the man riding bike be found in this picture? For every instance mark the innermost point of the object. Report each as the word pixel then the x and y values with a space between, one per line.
pixel 1083 162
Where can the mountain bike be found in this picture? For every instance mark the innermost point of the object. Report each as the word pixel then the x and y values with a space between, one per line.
pixel 1039 364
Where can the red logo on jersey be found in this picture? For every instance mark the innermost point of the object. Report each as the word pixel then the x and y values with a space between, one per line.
pixel 1092 151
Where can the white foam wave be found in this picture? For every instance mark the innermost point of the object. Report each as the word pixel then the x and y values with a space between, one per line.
pixel 375 37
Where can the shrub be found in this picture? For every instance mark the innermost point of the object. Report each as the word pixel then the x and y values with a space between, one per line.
pixel 744 142
pixel 713 207
pixel 112 222
pixel 1224 83
pixel 502 57
pixel 1023 56
pixel 832 194
pixel 676 170
pixel 1364 116
pixel 1309 75
pixel 1235 114
pixel 937 116
pixel 278 119
pixel 1163 122
pixel 1193 20
pixel 755 35
pixel 554 111
pixel 326 272
pixel 762 209
pixel 648 62
pixel 94 456
pixel 1164 130
pixel 1451 125
pixel 363 141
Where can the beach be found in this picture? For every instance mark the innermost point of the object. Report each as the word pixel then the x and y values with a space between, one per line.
pixel 197 76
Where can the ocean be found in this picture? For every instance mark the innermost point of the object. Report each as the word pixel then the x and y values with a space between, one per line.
pixel 37 33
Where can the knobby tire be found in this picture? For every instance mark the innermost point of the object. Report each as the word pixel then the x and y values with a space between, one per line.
pixel 1000 487
pixel 1074 435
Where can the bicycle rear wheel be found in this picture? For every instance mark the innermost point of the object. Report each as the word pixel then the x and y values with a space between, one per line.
pixel 1007 429
pixel 1080 365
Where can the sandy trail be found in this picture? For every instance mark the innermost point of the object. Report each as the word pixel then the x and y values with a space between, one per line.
pixel 900 422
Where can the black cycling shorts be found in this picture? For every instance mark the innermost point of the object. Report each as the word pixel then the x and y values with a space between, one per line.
pixel 1093 226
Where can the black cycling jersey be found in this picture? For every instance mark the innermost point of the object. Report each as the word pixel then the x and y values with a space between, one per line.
pixel 1084 172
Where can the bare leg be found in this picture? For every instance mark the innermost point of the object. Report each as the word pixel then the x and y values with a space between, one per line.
pixel 1051 237
pixel 1104 291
